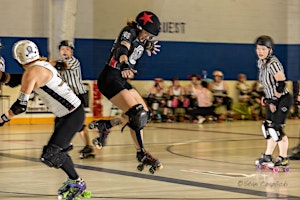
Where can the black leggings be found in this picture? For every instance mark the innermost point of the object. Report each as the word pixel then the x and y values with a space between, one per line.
pixel 64 130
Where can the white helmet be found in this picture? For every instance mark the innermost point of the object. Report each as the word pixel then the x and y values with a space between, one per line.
pixel 25 51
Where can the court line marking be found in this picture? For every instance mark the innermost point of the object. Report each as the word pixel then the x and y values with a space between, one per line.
pixel 164 179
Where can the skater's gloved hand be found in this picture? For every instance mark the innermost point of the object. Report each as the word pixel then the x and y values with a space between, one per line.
pixel 127 71
pixel 152 47
pixel 273 103
pixel 4 119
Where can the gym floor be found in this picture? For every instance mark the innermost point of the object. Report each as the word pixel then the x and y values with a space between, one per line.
pixel 207 161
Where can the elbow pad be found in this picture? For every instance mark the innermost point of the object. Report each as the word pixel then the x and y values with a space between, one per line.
pixel 15 80
pixel 122 50
pixel 280 85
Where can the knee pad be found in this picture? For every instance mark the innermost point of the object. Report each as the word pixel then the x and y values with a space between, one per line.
pixel 138 117
pixel 264 129
pixel 276 132
pixel 54 156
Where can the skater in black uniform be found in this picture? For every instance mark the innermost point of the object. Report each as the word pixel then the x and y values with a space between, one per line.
pixel 41 77
pixel 133 40
pixel 277 100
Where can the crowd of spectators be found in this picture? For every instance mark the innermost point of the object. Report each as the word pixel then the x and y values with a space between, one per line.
pixel 198 100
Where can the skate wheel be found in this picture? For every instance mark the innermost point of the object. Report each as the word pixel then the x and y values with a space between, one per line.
pixel 275 170
pixel 86 194
pixel 286 169
pixel 140 167
pixel 152 170
pixel 259 166
pixel 91 125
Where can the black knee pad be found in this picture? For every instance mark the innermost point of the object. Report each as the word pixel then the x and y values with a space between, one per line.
pixel 264 129
pixel 276 132
pixel 138 117
pixel 54 156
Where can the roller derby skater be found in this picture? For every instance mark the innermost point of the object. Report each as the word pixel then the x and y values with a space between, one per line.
pixel 40 76
pixel 277 101
pixel 134 39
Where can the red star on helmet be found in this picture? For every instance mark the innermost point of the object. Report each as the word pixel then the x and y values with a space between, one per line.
pixel 146 18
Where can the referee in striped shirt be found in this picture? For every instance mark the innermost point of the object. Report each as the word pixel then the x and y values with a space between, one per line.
pixel 277 100
pixel 70 70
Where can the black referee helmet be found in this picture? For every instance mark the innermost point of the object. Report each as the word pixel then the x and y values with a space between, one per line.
pixel 265 40
pixel 149 22
pixel 66 43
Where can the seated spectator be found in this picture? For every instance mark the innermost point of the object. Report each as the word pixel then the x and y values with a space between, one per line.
pixel 177 97
pixel 220 92
pixel 195 84
pixel 156 99
pixel 243 88
pixel 205 105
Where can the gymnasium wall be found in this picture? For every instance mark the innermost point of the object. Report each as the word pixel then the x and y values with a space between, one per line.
pixel 196 34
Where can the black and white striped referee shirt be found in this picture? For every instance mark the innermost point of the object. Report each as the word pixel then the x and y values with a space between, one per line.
pixel 266 76
pixel 2 64
pixel 73 75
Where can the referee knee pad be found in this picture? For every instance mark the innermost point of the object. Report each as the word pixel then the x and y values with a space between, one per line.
pixel 138 117
pixel 276 132
pixel 264 129
pixel 54 156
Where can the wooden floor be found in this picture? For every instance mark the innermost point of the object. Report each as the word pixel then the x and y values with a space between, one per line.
pixel 208 161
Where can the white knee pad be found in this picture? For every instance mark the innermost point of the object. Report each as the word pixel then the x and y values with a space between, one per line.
pixel 275 134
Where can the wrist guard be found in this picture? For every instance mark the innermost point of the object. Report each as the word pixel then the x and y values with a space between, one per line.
pixel 273 100
pixel 60 65
pixel 125 66
pixel 4 119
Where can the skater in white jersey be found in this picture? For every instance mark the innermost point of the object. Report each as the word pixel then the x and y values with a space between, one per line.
pixel 42 78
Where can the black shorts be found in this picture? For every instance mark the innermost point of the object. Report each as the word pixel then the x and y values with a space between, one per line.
pixel 110 82
pixel 282 110
pixel 66 127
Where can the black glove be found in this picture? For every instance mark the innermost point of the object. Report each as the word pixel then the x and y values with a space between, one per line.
pixel 125 66
pixel 60 65
pixel 4 119
pixel 274 101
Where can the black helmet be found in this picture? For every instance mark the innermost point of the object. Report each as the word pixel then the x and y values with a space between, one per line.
pixel 265 40
pixel 66 43
pixel 149 22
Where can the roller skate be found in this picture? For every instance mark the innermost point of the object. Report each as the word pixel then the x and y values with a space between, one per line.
pixel 87 152
pixel 281 163
pixel 100 141
pixel 73 190
pixel 147 159
pixel 265 162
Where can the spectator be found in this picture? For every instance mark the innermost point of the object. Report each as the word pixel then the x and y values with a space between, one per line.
pixel 220 92
pixel 177 97
pixel 190 89
pixel 205 105
pixel 257 93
